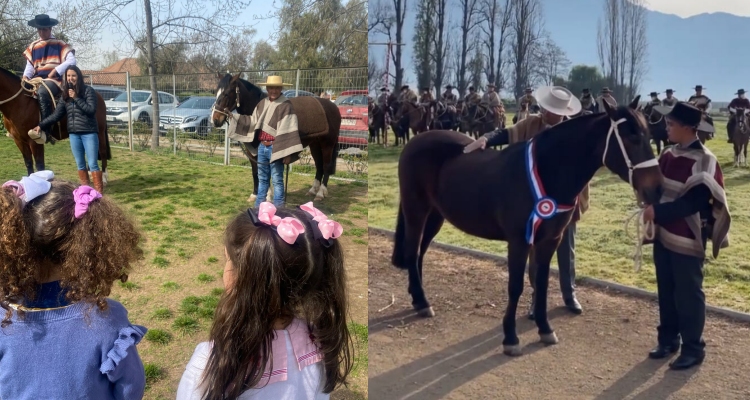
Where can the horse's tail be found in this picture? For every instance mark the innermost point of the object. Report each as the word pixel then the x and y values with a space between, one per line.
pixel 106 137
pixel 398 248
pixel 336 149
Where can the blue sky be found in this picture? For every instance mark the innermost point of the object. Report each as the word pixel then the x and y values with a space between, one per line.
pixel 253 16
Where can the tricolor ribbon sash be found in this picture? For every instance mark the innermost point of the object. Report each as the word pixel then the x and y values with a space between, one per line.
pixel 544 207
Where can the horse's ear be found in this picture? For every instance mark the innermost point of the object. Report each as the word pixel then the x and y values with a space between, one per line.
pixel 634 103
pixel 236 77
pixel 219 75
pixel 609 110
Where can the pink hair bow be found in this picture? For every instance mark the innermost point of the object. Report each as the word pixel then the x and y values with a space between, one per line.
pixel 288 228
pixel 328 227
pixel 83 196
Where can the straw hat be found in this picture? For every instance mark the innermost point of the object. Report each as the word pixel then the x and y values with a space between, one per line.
pixel 558 100
pixel 274 80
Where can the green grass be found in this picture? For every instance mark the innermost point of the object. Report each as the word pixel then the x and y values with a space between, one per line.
pixel 206 278
pixel 360 337
pixel 603 250
pixel 158 336
pixel 182 207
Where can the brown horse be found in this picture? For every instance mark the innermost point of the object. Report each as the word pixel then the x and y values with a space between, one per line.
pixel 657 126
pixel 21 114
pixel 377 126
pixel 416 118
pixel 435 176
pixel 238 94
pixel 741 136
pixel 477 119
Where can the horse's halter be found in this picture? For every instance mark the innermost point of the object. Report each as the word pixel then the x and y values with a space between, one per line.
pixel 644 164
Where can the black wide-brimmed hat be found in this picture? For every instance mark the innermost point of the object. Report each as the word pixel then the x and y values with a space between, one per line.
pixel 670 91
pixel 586 90
pixel 606 90
pixel 741 91
pixel 472 88
pixel 491 85
pixel 687 114
pixel 449 86
pixel 653 94
pixel 699 87
pixel 383 89
pixel 43 21
pixel 404 87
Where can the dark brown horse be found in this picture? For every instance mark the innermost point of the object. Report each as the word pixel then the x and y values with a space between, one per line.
pixel 21 114
pixel 416 117
pixel 238 94
pixel 378 127
pixel 741 136
pixel 435 175
pixel 657 126
pixel 477 119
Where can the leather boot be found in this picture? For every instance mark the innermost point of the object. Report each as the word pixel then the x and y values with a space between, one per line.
pixel 97 175
pixel 83 177
pixel 46 109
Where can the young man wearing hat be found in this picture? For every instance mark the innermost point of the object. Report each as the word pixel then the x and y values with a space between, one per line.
pixel 472 97
pixel 670 100
pixel 703 103
pixel 557 104
pixel 738 102
pixel 276 139
pixel 692 210
pixel 587 101
pixel 407 95
pixel 47 58
pixel 383 97
pixel 605 96
pixel 529 99
pixel 449 99
pixel 655 99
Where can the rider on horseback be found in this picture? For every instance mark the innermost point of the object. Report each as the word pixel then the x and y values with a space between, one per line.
pixel 739 102
pixel 655 99
pixel 606 96
pixel 669 101
pixel 492 100
pixel 47 58
pixel 473 97
pixel 528 99
pixel 449 100
pixel 426 103
pixel 587 101
pixel 703 103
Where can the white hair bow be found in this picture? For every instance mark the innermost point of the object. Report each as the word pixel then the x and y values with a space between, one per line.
pixel 31 186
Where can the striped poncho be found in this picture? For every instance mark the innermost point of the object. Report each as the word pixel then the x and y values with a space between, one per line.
pixel 45 55
pixel 277 118
pixel 685 168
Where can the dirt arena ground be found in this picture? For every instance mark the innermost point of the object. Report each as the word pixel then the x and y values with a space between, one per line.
pixel 602 353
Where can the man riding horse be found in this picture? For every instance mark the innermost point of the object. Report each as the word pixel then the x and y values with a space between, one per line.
pixel 407 95
pixel 588 102
pixel 738 102
pixel 47 58
pixel 670 100
pixel 654 99
pixel 425 102
pixel 449 100
pixel 492 100
pixel 703 103
pixel 605 96
pixel 530 101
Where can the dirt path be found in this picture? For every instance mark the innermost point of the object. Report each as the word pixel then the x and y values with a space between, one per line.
pixel 601 354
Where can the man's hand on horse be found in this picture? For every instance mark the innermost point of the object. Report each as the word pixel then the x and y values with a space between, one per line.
pixel 52 73
pixel 478 144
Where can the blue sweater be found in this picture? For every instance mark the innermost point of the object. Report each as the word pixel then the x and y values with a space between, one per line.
pixel 57 354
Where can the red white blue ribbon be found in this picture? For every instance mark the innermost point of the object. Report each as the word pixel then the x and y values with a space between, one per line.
pixel 544 207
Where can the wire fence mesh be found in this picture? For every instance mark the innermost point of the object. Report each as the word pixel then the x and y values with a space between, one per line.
pixel 184 120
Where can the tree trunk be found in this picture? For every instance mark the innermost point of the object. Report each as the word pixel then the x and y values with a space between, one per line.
pixel 400 8
pixel 152 77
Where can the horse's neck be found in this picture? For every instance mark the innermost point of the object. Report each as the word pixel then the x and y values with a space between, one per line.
pixel 575 157
pixel 247 105
pixel 8 88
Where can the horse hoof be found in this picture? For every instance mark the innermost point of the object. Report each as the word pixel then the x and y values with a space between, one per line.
pixel 311 192
pixel 426 312
pixel 513 350
pixel 105 176
pixel 548 338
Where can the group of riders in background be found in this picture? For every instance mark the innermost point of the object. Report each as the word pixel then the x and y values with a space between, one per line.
pixel 476 114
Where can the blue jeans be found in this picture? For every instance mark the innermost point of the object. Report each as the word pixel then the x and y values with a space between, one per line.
pixel 87 145
pixel 269 174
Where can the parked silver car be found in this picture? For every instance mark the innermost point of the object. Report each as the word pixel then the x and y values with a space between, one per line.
pixel 141 105
pixel 193 115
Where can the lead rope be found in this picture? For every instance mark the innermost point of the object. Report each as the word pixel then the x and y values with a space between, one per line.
pixel 644 230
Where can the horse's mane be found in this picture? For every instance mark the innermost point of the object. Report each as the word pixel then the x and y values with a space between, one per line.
pixel 9 74
pixel 253 89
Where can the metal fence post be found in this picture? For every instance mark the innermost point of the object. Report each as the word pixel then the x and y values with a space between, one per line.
pixel 174 130
pixel 130 110
pixel 226 146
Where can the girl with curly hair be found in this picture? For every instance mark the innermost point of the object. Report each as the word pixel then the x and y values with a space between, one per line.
pixel 61 337
pixel 280 328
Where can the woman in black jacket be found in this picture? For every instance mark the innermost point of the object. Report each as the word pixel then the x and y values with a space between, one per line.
pixel 79 104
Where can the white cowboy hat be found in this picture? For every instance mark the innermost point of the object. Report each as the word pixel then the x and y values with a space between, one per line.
pixel 274 80
pixel 558 100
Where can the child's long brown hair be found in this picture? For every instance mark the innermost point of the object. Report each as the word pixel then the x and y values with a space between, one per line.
pixel 90 253
pixel 275 280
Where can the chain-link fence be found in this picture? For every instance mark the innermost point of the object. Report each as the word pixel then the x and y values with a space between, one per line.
pixel 185 103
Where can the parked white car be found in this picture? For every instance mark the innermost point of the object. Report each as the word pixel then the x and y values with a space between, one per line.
pixel 141 104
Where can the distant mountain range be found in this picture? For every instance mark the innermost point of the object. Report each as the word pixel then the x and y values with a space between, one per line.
pixel 706 49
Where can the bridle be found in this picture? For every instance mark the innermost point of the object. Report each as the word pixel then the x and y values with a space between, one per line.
pixel 23 88
pixel 226 111
pixel 616 132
